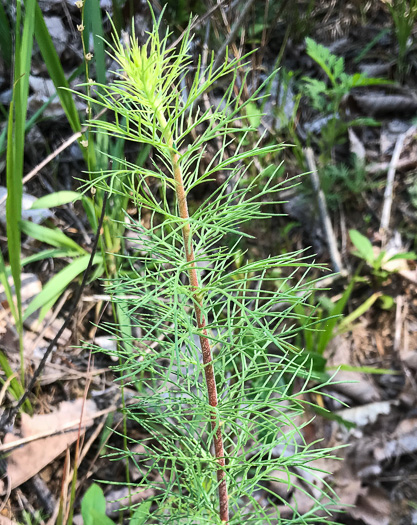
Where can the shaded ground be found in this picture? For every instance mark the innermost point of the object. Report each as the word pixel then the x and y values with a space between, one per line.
pixel 377 475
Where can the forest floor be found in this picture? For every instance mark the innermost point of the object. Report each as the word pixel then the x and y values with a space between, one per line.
pixel 362 139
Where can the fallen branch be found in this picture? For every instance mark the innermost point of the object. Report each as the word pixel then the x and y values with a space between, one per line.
pixel 324 215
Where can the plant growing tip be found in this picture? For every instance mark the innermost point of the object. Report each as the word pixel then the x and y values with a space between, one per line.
pixel 209 445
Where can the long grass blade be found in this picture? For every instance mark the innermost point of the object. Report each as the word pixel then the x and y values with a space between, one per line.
pixel 15 152
pixel 54 237
pixel 93 23
pixel 59 282
pixel 55 70
pixel 6 45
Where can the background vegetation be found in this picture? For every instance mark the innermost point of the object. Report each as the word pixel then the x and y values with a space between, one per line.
pixel 335 81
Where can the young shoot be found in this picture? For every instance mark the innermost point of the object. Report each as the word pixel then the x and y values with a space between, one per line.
pixel 206 343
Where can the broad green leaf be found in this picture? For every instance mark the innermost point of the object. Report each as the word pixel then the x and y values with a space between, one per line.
pixel 97 518
pixel 53 200
pixel 51 236
pixel 253 114
pixel 410 256
pixel 141 513
pixel 363 246
pixel 93 507
pixel 58 283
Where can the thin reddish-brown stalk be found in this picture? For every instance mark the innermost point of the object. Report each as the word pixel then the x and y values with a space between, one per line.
pixel 201 323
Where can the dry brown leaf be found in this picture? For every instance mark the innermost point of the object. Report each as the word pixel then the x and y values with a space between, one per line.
pixel 402 441
pixel 346 485
pixel 354 384
pixel 7 521
pixel 27 460
pixel 372 506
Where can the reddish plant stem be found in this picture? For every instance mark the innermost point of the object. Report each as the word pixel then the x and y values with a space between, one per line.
pixel 201 323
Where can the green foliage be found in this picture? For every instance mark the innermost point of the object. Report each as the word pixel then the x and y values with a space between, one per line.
pixel 6 41
pixel 225 310
pixel 404 16
pixel 180 11
pixel 31 20
pixel 322 320
pixel 14 156
pixel 341 182
pixel 319 323
pixel 66 247
pixel 326 97
pixel 93 509
pixel 32 519
pixel 54 67
pixel 34 25
pixel 376 259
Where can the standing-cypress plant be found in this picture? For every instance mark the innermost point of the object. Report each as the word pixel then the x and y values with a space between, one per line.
pixel 210 354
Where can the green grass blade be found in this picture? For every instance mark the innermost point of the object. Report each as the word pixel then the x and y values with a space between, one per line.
pixel 94 26
pixel 90 211
pixel 330 324
pixel 51 236
pixel 13 213
pixel 117 16
pixel 35 117
pixel 15 152
pixel 364 307
pixel 53 200
pixel 365 370
pixel 55 70
pixel 7 289
pixel 16 142
pixel 53 288
pixel 15 387
pixel 51 253
pixel 6 44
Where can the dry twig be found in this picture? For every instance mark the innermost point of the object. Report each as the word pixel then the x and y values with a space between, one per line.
pixel 324 215
pixel 389 188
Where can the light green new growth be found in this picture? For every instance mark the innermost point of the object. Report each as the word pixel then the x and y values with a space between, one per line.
pixel 206 344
